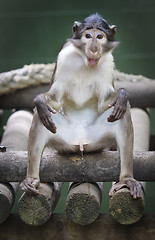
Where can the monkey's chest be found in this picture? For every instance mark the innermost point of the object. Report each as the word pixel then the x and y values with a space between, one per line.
pixel 80 97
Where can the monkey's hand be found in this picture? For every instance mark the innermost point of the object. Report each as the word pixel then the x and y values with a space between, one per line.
pixel 134 186
pixel 44 111
pixel 30 185
pixel 119 102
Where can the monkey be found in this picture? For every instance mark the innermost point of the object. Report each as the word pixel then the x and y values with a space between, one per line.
pixel 82 111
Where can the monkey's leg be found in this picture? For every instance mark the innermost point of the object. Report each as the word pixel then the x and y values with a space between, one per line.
pixel 124 139
pixel 38 138
pixel 130 210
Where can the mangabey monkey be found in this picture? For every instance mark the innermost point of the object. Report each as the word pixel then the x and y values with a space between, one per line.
pixel 81 111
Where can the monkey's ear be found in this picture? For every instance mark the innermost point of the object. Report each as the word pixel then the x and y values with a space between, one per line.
pixel 113 29
pixel 76 26
pixel 109 46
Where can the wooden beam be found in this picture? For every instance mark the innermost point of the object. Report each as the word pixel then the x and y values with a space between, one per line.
pixel 37 74
pixel 141 94
pixel 60 227
pixel 27 82
pixel 99 167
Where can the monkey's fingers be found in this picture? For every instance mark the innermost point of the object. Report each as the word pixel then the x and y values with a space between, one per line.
pixel 111 118
pixel 112 103
pixel 135 188
pixel 117 114
pixel 30 185
pixel 51 109
pixel 116 187
pixel 48 122
pixel 50 125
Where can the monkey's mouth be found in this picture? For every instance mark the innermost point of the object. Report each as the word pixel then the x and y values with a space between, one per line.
pixel 92 61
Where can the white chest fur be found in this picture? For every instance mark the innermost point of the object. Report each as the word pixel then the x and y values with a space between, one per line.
pixel 81 82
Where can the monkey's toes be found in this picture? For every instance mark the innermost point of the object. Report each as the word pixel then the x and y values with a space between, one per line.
pixel 30 185
pixel 135 188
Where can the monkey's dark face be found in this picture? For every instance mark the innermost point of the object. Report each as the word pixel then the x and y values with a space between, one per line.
pixel 95 42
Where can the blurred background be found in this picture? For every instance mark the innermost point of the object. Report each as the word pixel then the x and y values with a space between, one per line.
pixel 33 31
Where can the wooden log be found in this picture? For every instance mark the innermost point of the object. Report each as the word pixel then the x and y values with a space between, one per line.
pixel 141 94
pixel 73 168
pixel 27 82
pixel 123 208
pixel 36 74
pixel 141 127
pixel 35 210
pixel 14 138
pixel 83 202
pixel 7 198
pixel 59 227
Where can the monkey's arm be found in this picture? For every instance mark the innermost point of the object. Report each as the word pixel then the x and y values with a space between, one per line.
pixel 44 110
pixel 48 103
pixel 119 102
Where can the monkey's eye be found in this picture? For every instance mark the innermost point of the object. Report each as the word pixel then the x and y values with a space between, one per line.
pixel 88 35
pixel 99 36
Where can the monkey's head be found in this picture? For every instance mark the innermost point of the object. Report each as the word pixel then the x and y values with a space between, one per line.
pixel 94 37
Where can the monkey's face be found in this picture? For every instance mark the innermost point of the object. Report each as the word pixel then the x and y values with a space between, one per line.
pixel 95 45
pixel 94 41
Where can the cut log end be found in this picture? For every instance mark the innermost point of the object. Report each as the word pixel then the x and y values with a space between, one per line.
pixel 83 203
pixel 36 209
pixel 5 207
pixel 124 209
pixel 6 200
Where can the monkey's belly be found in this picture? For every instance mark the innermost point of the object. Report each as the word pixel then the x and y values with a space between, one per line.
pixel 92 132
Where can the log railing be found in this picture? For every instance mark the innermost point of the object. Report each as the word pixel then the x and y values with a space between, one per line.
pixel 74 168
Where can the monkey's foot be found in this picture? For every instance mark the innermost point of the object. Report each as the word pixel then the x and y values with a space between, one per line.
pixel 134 186
pixel 30 185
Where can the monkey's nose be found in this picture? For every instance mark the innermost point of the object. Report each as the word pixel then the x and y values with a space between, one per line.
pixel 94 50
